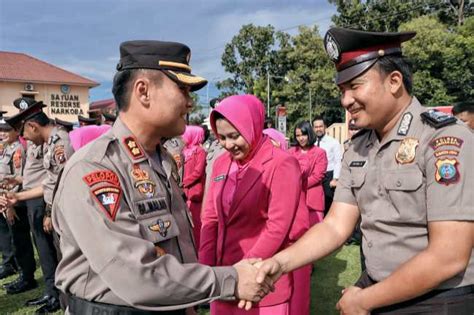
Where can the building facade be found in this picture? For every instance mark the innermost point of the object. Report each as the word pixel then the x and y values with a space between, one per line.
pixel 66 94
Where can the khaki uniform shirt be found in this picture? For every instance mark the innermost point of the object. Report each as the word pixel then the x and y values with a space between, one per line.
pixel 34 172
pixel 213 152
pixel 125 231
pixel 56 152
pixel 418 174
pixel 12 160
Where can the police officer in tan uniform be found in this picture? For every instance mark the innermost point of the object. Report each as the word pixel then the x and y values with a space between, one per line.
pixel 408 175
pixel 175 147
pixel 32 177
pixel 14 218
pixel 125 231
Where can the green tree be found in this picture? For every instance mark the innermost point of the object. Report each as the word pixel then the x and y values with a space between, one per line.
pixel 388 15
pixel 312 73
pixel 252 54
pixel 442 60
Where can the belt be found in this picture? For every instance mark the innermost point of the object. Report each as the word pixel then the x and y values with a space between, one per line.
pixel 454 291
pixel 78 306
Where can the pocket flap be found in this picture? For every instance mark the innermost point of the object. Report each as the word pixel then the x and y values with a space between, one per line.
pixel 357 179
pixel 406 180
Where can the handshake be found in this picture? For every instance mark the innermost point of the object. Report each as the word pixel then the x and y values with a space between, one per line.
pixel 256 279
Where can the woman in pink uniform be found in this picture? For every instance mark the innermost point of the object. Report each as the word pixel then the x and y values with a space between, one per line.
pixel 313 163
pixel 254 206
pixel 194 174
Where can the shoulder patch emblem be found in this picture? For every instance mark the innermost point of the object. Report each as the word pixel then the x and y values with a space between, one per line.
pixel 133 148
pixel 142 182
pixel 102 176
pixel 161 227
pixel 446 152
pixel 447 171
pixel 446 140
pixel 59 154
pixel 17 159
pixel 407 151
pixel 178 160
pixel 405 123
pixel 108 198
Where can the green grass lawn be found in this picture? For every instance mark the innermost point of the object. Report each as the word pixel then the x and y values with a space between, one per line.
pixel 330 276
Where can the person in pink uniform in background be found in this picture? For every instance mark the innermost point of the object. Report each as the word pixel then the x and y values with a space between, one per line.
pixel 313 163
pixel 278 139
pixel 194 176
pixel 254 206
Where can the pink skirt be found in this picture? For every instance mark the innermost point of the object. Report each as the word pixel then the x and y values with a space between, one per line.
pixel 223 308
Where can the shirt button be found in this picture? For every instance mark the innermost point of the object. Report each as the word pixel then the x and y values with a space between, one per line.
pixel 353 182
pixel 380 154
pixel 380 191
pixel 398 183
pixel 369 244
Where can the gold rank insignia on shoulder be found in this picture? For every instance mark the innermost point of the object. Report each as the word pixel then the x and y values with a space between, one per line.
pixel 161 227
pixel 142 182
pixel 133 148
pixel 407 151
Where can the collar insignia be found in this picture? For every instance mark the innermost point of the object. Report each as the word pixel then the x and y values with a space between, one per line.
pixel 133 148
pixel 405 123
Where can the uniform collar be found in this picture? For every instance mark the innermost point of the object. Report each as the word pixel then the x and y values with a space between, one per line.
pixel 405 125
pixel 128 142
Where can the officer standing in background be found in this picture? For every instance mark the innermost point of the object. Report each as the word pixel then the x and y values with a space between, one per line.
pixel 15 218
pixel 35 126
pixel 9 265
pixel 33 175
pixel 409 175
pixel 125 231
pixel 334 155
pixel 464 111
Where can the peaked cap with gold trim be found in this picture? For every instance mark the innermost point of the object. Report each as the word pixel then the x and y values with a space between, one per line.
pixel 169 57
pixel 355 51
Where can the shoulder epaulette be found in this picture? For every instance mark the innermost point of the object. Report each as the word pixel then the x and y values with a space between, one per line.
pixel 437 119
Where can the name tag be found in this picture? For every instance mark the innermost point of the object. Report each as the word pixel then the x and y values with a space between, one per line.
pixel 148 206
pixel 219 178
pixel 357 164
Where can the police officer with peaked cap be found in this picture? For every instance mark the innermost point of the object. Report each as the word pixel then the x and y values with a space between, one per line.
pixel 14 219
pixel 32 178
pixel 408 175
pixel 109 118
pixel 67 125
pixel 125 231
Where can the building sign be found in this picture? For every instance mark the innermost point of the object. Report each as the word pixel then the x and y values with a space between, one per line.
pixel 281 118
pixel 65 104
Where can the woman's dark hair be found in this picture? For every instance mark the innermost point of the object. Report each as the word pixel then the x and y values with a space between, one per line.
pixel 268 120
pixel 306 129
pixel 390 63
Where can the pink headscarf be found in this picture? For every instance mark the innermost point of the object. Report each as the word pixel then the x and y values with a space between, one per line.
pixel 246 113
pixel 193 137
pixel 277 136
pixel 81 136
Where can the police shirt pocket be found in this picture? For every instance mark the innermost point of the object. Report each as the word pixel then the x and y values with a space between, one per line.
pixel 356 183
pixel 160 228
pixel 404 190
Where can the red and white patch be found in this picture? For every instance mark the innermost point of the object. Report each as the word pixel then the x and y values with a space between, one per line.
pixel 108 198
pixel 17 159
pixel 101 176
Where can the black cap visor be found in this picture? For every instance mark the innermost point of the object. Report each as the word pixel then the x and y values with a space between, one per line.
pixel 354 71
pixel 187 79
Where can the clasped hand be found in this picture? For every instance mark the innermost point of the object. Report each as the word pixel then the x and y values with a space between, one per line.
pixel 256 280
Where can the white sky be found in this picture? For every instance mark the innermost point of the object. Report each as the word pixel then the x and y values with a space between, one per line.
pixel 83 36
